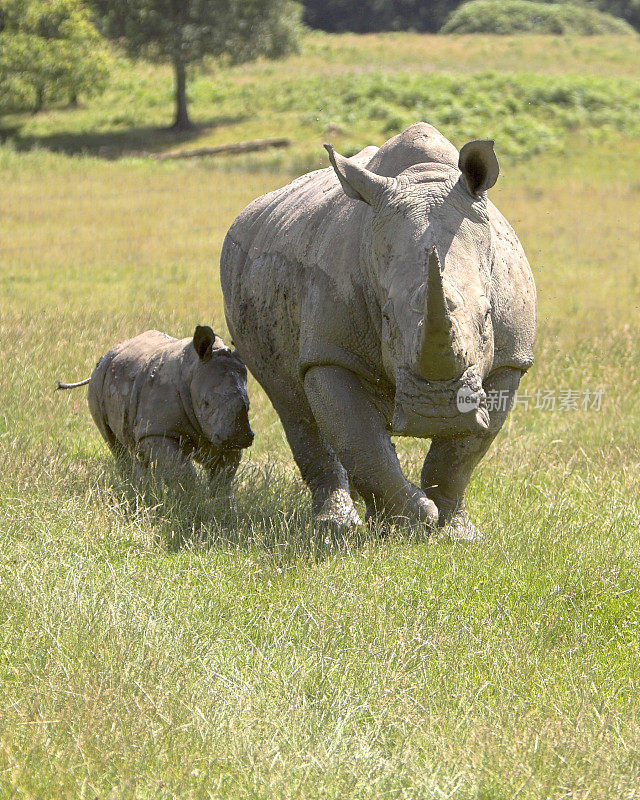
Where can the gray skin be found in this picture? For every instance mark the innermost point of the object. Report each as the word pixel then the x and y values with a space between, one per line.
pixel 363 298
pixel 168 402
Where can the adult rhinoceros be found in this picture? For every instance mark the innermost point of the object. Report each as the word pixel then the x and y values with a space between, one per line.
pixel 384 296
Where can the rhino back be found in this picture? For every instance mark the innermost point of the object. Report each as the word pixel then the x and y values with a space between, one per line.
pixel 138 387
pixel 291 276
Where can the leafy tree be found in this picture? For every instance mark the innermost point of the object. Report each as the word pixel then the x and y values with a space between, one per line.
pixel 183 32
pixel 628 10
pixel 49 51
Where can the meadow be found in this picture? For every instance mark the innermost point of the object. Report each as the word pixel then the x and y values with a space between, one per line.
pixel 155 647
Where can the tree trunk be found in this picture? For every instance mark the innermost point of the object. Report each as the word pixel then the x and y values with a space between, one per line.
pixel 39 99
pixel 182 121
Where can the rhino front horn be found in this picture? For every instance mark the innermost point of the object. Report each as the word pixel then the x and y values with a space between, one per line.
pixel 438 359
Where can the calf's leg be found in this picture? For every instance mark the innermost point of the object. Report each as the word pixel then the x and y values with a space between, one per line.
pixel 165 457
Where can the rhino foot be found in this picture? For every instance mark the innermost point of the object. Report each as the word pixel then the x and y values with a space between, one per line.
pixel 461 529
pixel 338 511
pixel 414 511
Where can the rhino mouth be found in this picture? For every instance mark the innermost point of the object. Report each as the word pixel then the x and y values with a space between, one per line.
pixel 426 408
pixel 237 442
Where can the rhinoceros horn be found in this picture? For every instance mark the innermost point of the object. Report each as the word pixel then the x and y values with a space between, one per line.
pixel 439 358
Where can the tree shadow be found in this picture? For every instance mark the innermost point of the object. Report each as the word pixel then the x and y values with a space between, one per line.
pixel 141 140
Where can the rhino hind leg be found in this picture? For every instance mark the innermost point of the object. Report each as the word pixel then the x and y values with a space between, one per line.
pixel 356 430
pixel 450 461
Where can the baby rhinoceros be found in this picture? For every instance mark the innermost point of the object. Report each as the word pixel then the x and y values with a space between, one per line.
pixel 167 402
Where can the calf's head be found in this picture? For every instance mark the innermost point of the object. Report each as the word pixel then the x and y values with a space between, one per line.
pixel 428 252
pixel 219 392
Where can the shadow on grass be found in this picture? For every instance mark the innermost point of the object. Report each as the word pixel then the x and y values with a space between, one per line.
pixel 113 144
pixel 272 515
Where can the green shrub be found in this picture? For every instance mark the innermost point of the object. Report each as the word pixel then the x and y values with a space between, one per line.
pixel 525 113
pixel 524 16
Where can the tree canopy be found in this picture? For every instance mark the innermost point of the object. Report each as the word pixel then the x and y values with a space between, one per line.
pixel 183 32
pixel 49 51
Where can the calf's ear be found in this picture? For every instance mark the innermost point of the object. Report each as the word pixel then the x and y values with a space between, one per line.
pixel 203 340
pixel 479 165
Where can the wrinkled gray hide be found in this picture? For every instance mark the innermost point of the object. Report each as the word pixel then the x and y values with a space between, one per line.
pixel 167 401
pixel 364 298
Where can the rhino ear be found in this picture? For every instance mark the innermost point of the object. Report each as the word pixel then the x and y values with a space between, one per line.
pixel 479 165
pixel 357 182
pixel 203 340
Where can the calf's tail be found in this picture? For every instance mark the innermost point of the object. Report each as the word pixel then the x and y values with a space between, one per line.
pixel 72 385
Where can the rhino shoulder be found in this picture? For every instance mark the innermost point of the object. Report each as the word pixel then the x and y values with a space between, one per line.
pixel 513 297
pixel 286 219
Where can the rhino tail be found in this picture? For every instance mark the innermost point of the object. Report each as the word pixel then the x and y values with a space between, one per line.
pixel 72 385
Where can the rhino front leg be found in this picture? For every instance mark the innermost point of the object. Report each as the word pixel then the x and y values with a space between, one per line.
pixel 355 429
pixel 221 470
pixel 165 457
pixel 450 461
pixel 320 468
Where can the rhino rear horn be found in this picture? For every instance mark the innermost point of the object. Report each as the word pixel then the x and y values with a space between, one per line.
pixel 203 339
pixel 358 182
pixel 479 165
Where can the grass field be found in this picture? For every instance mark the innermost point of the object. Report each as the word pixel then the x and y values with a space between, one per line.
pixel 532 94
pixel 166 650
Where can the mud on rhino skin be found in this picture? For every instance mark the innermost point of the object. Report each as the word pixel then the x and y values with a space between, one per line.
pixel 166 402
pixel 364 297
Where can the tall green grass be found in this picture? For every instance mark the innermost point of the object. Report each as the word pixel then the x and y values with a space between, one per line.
pixel 154 645
pixel 530 95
